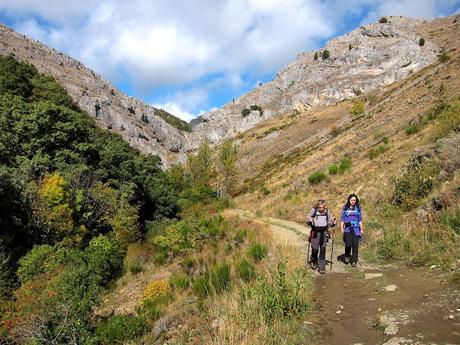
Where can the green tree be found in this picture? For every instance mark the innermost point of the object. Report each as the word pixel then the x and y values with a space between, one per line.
pixel 200 166
pixel 227 166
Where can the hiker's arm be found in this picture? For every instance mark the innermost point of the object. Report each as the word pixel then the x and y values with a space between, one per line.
pixel 361 225
pixel 310 217
pixel 342 227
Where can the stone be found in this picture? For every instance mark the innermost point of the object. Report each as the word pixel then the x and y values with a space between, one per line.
pixel 372 275
pixel 161 326
pixel 451 317
pixel 398 341
pixel 391 329
pixel 217 323
pixel 338 312
pixel 390 288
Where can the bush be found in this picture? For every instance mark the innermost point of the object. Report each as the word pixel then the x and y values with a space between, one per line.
pixel 157 290
pixel 245 112
pixel 344 165
pixel 245 270
pixel 325 54
pixel 38 261
pixel 315 57
pixel 443 57
pixel 421 42
pixel 257 252
pixel 317 177
pixel 385 141
pixel 416 183
pixel 135 266
pixel 450 220
pixel 333 169
pixel 373 153
pixel 412 129
pixel 256 107
pixel 383 20
pixel 104 258
pixel 240 235
pixel 179 281
pixel 201 286
pixel 357 108
pixel 119 329
pixel 280 297
pixel 448 119
pixel 220 277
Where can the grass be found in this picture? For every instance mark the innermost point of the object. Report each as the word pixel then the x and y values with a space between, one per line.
pixel 257 252
pixel 357 108
pixel 220 277
pixel 377 151
pixel 333 169
pixel 245 270
pixel 317 177
pixel 344 165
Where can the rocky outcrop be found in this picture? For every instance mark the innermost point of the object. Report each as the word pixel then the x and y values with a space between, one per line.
pixel 134 120
pixel 367 58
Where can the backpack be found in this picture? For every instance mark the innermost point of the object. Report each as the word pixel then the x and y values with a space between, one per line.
pixel 326 210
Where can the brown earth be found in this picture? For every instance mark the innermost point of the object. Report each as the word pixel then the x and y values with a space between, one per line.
pixel 350 309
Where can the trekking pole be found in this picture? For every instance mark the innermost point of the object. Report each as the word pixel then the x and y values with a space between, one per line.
pixel 332 242
pixel 308 251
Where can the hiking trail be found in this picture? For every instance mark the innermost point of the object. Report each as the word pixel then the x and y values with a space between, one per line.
pixel 373 304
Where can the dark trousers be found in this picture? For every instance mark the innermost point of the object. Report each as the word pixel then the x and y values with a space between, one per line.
pixel 351 245
pixel 318 243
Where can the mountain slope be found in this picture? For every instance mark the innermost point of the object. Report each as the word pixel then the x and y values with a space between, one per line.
pixel 277 157
pixel 141 125
pixel 365 59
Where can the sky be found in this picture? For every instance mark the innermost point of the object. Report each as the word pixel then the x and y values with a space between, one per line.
pixel 192 56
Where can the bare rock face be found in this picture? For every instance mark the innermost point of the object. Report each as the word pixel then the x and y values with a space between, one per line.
pixel 134 120
pixel 367 58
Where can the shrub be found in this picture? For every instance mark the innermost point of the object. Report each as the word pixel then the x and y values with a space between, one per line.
pixel 135 266
pixel 448 119
pixel 326 54
pixel 412 129
pixel 317 177
pixel 344 165
pixel 333 169
pixel 357 108
pixel 385 140
pixel 104 258
pixel 421 42
pixel 157 290
pixel 38 261
pixel 256 107
pixel 201 286
pixel 257 251
pixel 443 57
pixel 119 329
pixel 373 153
pixel 264 190
pixel 315 57
pixel 245 270
pixel 280 297
pixel 245 112
pixel 416 183
pixel 383 20
pixel 179 281
pixel 450 220
pixel 220 277
pixel 240 235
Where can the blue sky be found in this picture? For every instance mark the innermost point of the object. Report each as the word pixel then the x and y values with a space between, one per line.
pixel 192 56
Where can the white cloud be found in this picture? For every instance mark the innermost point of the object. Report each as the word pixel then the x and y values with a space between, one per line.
pixel 204 42
pixel 176 110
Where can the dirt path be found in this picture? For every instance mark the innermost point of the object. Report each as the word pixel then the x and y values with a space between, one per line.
pixel 374 304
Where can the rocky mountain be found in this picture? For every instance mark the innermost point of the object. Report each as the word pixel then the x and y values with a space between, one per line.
pixel 138 123
pixel 367 58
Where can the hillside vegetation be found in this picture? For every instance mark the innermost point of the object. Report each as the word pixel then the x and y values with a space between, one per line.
pixel 396 147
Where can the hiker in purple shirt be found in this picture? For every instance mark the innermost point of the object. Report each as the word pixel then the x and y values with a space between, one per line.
pixel 352 228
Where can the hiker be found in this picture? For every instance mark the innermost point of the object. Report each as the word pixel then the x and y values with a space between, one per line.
pixel 320 220
pixel 352 228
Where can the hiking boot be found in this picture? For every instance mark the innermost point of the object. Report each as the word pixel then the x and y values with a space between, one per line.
pixel 321 270
pixel 346 259
pixel 353 264
pixel 313 265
